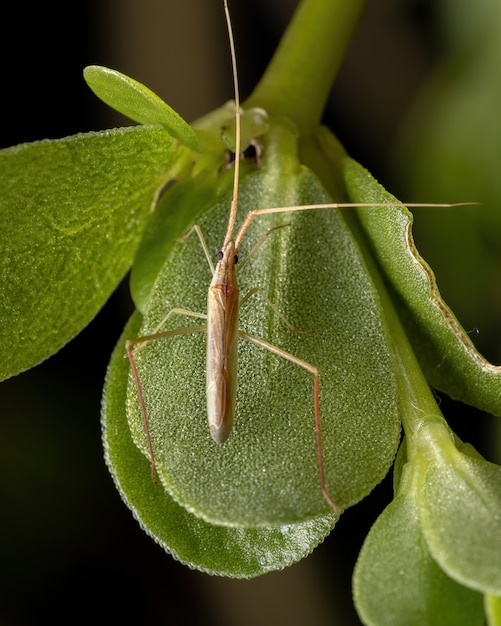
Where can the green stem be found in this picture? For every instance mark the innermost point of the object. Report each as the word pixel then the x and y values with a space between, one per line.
pixel 423 422
pixel 418 405
pixel 299 77
pixel 427 433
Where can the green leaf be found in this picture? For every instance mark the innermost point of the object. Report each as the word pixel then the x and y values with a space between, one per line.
pixel 313 272
pixel 137 102
pixel 396 580
pixel 446 353
pixel 233 552
pixel 72 211
pixel 460 498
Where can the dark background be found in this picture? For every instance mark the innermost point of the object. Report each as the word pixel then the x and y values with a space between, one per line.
pixel 70 551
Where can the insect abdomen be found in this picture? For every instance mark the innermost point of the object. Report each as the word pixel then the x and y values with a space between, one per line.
pixel 222 339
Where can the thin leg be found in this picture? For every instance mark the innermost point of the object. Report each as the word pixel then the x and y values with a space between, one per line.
pixel 259 243
pixel 335 205
pixel 130 355
pixel 201 238
pixel 316 391
pixel 155 333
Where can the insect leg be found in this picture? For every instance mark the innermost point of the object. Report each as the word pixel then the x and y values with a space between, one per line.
pixel 259 243
pixel 316 389
pixel 335 205
pixel 159 334
pixel 130 355
pixel 196 228
pixel 155 332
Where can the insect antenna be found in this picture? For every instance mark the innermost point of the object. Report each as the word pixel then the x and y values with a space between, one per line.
pixel 234 201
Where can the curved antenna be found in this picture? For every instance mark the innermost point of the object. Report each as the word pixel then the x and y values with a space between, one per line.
pixel 234 201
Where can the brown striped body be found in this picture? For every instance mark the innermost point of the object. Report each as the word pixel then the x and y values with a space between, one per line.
pixel 222 339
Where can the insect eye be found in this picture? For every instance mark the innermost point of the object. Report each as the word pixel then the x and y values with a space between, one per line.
pixel 235 260
pixel 220 255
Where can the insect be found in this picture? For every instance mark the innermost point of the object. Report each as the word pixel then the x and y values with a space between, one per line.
pixel 221 321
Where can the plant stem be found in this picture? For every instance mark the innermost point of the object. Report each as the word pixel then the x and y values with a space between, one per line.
pixel 419 408
pixel 299 77
pixel 418 405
